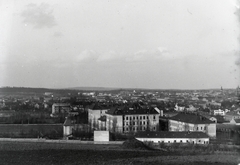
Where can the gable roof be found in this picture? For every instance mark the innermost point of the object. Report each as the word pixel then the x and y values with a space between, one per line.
pixel 167 134
pixel 191 118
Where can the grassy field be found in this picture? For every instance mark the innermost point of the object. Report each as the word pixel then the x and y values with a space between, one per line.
pixel 71 154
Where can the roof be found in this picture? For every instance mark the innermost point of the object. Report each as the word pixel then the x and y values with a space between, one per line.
pixel 237 120
pixel 167 134
pixel 191 118
pixel 68 122
pixel 98 106
pixel 126 110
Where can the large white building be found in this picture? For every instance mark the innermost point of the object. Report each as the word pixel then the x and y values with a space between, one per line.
pixel 132 119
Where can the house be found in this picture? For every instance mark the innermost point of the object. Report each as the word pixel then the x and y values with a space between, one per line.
pixel 173 137
pixel 192 122
pixel 95 112
pixel 70 127
pixel 136 118
pixel 58 108
pixel 219 112
pixel 232 115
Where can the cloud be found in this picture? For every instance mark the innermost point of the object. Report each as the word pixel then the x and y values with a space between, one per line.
pixel 159 53
pixel 40 16
pixel 87 56
pixel 57 34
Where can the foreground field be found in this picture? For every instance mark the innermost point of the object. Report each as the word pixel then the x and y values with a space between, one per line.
pixel 69 154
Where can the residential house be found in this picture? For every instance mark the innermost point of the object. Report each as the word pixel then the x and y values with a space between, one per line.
pixel 219 112
pixel 60 108
pixel 232 115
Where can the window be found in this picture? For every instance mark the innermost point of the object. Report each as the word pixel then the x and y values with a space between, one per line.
pixel 144 123
pixel 180 141
pixel 175 141
pixel 154 128
pixel 197 128
pixel 134 123
pixel 137 117
pixel 126 118
pixel 154 117
pixel 130 118
pixel 133 118
pixel 140 123
pixel 199 140
pixel 143 117
pixel 147 117
pixel 126 123
pixel 168 141
pixel 143 128
pixel 201 128
pixel 187 141
pixel 126 129
pixel 204 127
pixel 140 117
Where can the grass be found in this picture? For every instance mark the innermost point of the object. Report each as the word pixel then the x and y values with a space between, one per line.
pixel 71 154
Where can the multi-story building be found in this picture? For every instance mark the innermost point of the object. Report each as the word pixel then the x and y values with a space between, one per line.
pixel 95 112
pixel 192 123
pixel 58 108
pixel 132 119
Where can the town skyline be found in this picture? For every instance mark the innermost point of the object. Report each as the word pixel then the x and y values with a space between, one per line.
pixel 128 44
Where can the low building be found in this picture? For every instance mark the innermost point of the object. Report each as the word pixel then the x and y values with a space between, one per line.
pixel 173 137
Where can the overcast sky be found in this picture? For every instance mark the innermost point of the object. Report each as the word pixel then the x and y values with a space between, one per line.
pixel 163 44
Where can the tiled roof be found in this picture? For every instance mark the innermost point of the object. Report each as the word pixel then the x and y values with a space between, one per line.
pixel 191 118
pixel 167 134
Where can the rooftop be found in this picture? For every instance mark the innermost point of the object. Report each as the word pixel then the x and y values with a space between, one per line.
pixel 191 118
pixel 166 134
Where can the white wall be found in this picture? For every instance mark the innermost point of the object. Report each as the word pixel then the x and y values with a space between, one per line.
pixel 101 135
pixel 176 140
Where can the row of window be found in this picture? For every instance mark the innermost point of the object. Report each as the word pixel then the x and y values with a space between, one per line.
pixel 138 117
pixel 187 141
pixel 136 129
pixel 201 128
pixel 137 123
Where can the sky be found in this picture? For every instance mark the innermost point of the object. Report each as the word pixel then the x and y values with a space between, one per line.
pixel 157 44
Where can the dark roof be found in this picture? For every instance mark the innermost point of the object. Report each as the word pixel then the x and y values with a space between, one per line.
pixel 68 122
pixel 191 118
pixel 167 134
pixel 232 127
pixel 126 110
pixel 237 120
pixel 98 106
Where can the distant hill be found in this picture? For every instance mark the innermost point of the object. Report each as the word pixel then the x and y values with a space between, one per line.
pixel 93 88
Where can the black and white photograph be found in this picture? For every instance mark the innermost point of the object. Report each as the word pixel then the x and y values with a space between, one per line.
pixel 119 82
